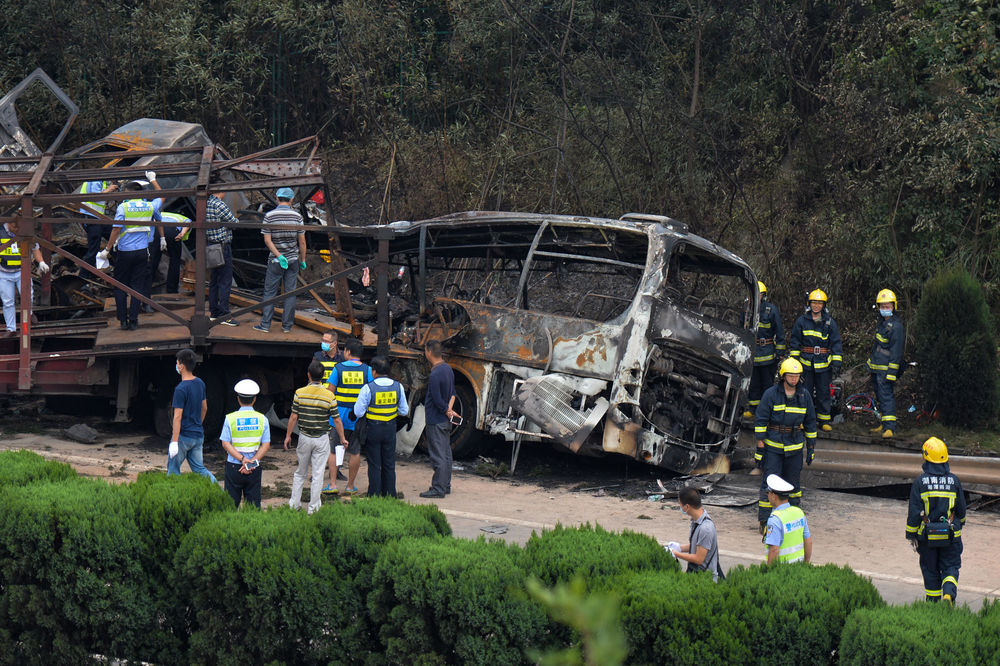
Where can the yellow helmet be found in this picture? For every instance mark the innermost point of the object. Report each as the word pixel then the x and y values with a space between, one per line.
pixel 761 287
pixel 790 365
pixel 817 295
pixel 886 296
pixel 935 451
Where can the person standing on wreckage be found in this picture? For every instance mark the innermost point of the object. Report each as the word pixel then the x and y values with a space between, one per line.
pixel 784 424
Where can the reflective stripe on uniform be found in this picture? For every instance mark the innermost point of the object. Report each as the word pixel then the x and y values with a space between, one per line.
pixel 384 402
pixel 793 520
pixel 10 256
pixel 137 210
pixel 350 379
pixel 246 428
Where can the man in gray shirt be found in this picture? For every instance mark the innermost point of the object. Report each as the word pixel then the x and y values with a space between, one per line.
pixel 702 551
pixel 288 255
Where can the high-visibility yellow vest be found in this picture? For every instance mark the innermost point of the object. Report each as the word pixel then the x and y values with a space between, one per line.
pixel 384 402
pixel 100 207
pixel 10 256
pixel 246 427
pixel 792 548
pixel 179 220
pixel 350 379
pixel 328 367
pixel 137 210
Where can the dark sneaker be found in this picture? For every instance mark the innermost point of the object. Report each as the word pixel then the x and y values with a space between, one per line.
pixel 229 322
pixel 133 325
pixel 260 328
pixel 286 330
pixel 432 494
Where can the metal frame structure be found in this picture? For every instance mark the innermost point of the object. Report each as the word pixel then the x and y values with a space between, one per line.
pixel 30 197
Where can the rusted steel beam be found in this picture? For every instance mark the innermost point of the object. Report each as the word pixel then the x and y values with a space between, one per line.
pixel 200 324
pixel 382 296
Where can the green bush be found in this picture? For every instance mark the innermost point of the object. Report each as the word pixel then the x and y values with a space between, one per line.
pixel 920 634
pixel 956 349
pixel 167 507
pixel 258 586
pixel 592 553
pixel 70 575
pixel 673 619
pixel 441 601
pixel 19 468
pixel 353 535
pixel 799 607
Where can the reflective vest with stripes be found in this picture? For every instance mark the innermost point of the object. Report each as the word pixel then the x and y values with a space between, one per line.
pixel 384 402
pixel 99 206
pixel 350 379
pixel 10 256
pixel 793 521
pixel 179 220
pixel 137 210
pixel 246 427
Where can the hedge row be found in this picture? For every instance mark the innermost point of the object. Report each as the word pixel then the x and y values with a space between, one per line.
pixel 165 570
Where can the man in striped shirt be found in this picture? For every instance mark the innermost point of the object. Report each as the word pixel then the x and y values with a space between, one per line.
pixel 288 255
pixel 221 280
pixel 312 409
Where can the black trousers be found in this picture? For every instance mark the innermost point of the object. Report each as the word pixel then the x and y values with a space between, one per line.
pixel 817 384
pixel 761 379
pixel 939 567
pixel 131 269
pixel 789 468
pixel 243 486
pixel 95 232
pixel 885 398
pixel 380 447
pixel 173 267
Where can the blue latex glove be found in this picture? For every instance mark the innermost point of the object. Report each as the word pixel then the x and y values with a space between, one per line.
pixel 302 264
pixel 282 262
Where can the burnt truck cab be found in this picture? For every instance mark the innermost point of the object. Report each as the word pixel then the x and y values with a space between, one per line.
pixel 629 336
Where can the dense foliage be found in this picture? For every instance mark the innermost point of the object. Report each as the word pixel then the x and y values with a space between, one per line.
pixel 843 145
pixel 956 346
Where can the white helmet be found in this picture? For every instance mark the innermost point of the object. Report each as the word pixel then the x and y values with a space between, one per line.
pixel 246 388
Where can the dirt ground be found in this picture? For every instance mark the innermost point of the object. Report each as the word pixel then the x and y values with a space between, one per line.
pixel 862 532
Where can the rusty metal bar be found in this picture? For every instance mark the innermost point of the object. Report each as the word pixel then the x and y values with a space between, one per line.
pixel 382 296
pixel 199 326
pixel 970 469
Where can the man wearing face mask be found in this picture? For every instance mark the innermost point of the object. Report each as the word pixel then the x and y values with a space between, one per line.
pixel 190 407
pixel 885 359
pixel 328 355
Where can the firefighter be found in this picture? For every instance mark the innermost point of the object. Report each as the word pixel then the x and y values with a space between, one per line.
pixel 785 423
pixel 934 523
pixel 770 341
pixel 815 342
pixel 885 359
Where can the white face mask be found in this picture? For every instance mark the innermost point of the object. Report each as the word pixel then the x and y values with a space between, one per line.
pixel 683 512
pixel 178 369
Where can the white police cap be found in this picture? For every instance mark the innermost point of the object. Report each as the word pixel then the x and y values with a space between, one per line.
pixel 247 388
pixel 778 484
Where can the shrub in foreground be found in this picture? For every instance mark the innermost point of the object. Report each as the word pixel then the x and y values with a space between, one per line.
pixel 920 634
pixel 258 587
pixel 440 601
pixel 69 573
pixel 19 468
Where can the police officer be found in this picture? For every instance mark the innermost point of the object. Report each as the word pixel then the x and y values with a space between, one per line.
pixel 815 341
pixel 934 523
pixel 95 232
pixel 885 359
pixel 246 437
pixel 380 402
pixel 770 341
pixel 133 239
pixel 785 423
pixel 171 243
pixel 346 381
pixel 10 272
pixel 787 536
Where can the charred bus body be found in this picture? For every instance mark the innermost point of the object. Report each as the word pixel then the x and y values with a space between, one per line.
pixel 627 336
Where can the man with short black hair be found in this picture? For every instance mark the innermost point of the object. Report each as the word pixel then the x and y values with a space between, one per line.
pixel 221 280
pixel 438 403
pixel 380 401
pixel 288 255
pixel 346 381
pixel 312 408
pixel 328 355
pixel 190 406
pixel 702 550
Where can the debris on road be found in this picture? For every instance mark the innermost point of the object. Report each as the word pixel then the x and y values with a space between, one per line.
pixel 82 433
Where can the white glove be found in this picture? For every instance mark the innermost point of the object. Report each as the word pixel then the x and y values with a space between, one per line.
pixel 103 255
pixel 674 546
pixel 43 267
pixel 151 176
pixel 173 449
pixel 163 244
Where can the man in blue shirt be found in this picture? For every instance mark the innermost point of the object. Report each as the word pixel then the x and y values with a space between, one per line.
pixel 133 237
pixel 95 232
pixel 190 406
pixel 438 403
pixel 380 402
pixel 787 537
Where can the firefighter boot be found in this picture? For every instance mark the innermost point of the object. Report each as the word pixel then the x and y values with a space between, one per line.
pixel 748 414
pixel 886 434
pixel 876 430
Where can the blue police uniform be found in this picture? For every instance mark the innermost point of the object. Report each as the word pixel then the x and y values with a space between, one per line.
pixel 787 425
pixel 132 259
pixel 173 252
pixel 816 344
pixel 936 501
pixel 884 363
pixel 94 231
pixel 380 402
pixel 770 341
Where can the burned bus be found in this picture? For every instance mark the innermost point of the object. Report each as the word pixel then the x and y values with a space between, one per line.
pixel 629 336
